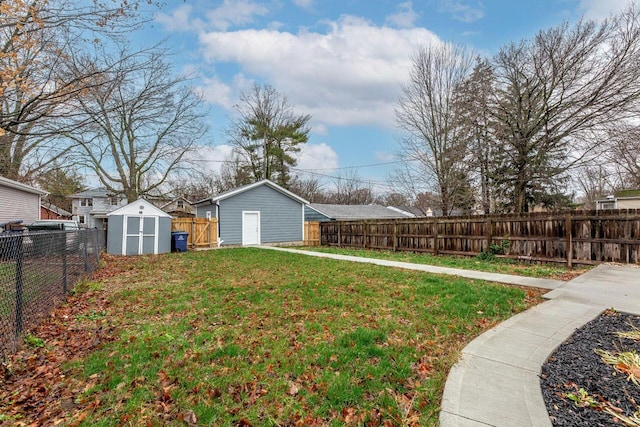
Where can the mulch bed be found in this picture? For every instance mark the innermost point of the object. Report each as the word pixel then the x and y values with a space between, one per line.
pixel 575 365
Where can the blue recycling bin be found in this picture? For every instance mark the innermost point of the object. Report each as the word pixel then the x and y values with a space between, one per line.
pixel 179 241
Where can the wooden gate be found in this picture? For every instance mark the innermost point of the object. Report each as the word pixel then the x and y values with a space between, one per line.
pixel 312 233
pixel 203 232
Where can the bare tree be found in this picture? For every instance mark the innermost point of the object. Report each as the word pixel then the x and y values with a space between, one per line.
pixel 134 129
pixel 310 189
pixel 624 154
pixel 37 40
pixel 432 145
pixel 351 189
pixel 554 92
pixel 267 133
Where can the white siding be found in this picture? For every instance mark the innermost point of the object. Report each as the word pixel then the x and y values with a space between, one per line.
pixel 18 205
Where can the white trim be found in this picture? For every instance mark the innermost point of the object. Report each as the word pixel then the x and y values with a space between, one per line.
pixel 248 187
pixel 140 233
pixel 259 230
pixel 20 186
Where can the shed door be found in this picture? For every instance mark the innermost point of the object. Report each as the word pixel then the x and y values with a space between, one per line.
pixel 140 235
pixel 250 228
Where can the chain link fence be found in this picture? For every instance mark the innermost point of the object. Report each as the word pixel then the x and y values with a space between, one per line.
pixel 37 271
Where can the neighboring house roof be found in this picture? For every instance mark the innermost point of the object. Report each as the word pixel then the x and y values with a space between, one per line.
pixel 56 210
pixel 92 192
pixel 248 187
pixel 20 186
pixel 348 212
pixel 175 200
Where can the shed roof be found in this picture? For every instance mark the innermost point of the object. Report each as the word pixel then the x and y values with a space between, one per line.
pixel 6 182
pixel 139 207
pixel 347 212
pixel 266 182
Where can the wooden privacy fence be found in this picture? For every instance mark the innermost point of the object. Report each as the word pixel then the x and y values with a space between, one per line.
pixel 576 237
pixel 203 232
pixel 312 233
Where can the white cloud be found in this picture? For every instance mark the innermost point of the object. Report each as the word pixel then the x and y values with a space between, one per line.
pixel 235 13
pixel 303 4
pixel 385 157
pixel 405 17
pixel 600 9
pixel 460 11
pixel 217 92
pixel 211 159
pixel 316 156
pixel 178 20
pixel 349 75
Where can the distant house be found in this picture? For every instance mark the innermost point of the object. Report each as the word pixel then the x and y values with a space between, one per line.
pixel 328 212
pixel 91 207
pixel 258 213
pixel 626 199
pixel 49 211
pixel 179 208
pixel 19 201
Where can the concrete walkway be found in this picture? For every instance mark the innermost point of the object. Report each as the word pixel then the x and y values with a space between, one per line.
pixel 495 382
pixel 469 274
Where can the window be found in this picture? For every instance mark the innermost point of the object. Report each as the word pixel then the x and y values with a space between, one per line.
pixel 608 205
pixel 180 204
pixel 82 219
pixel 86 202
pixel 113 201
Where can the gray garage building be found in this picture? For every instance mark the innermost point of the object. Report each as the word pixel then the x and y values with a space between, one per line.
pixel 138 228
pixel 258 213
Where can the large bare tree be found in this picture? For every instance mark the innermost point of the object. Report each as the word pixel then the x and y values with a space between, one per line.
pixel 266 133
pixel 554 92
pixel 135 128
pixel 38 39
pixel 432 144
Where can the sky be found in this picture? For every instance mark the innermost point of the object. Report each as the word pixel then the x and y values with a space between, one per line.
pixel 341 61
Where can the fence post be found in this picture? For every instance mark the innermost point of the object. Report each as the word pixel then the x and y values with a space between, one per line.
pixel 435 235
pixel 85 253
pixel 64 270
pixel 193 233
pixel 339 237
pixel 569 249
pixel 19 283
pixel 364 234
pixel 210 232
pixel 395 235
pixel 489 234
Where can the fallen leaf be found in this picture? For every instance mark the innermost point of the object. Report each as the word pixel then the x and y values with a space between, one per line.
pixel 293 389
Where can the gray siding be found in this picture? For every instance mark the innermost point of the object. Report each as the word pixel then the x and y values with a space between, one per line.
pixel 280 216
pixel 18 205
pixel 164 239
pixel 314 215
pixel 201 211
pixel 114 235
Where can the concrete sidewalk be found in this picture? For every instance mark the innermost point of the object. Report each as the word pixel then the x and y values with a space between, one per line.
pixel 495 382
pixel 469 274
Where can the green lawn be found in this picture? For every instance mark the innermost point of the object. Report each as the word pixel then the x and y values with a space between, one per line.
pixel 264 338
pixel 491 265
